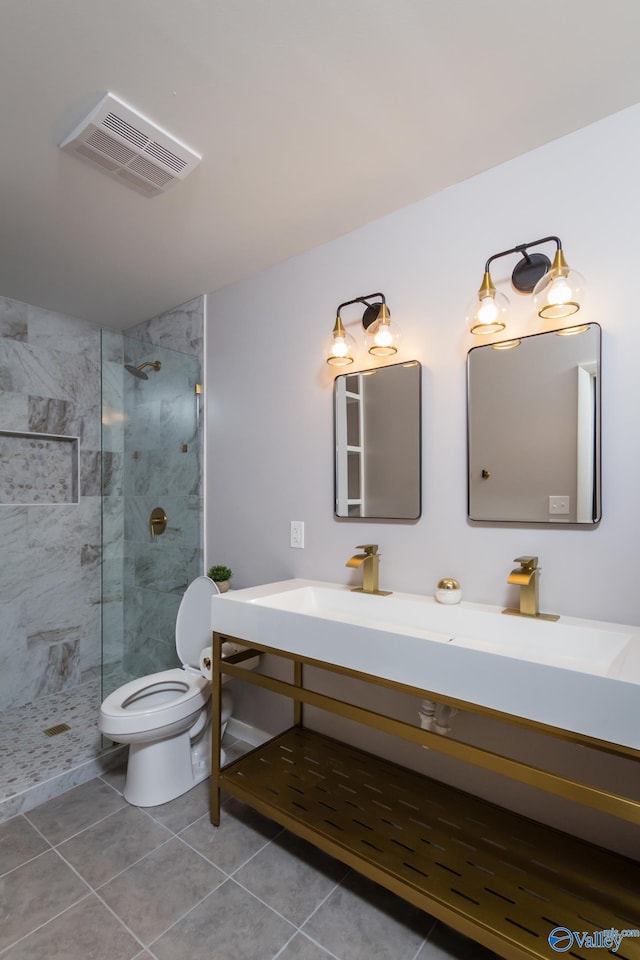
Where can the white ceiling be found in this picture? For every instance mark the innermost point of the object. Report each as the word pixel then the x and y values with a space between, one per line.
pixel 313 117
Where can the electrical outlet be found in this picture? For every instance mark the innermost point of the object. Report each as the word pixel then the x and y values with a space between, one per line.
pixel 559 505
pixel 297 534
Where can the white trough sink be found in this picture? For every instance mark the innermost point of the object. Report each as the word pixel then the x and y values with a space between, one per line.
pixel 591 650
pixel 579 675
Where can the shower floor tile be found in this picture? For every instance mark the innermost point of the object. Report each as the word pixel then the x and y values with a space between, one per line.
pixel 46 765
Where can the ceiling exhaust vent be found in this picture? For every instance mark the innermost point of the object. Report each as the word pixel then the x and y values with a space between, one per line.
pixel 131 148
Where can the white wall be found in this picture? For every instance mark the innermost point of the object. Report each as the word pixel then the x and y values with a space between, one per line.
pixel 269 392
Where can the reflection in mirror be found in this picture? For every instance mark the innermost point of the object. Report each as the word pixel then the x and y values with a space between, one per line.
pixel 533 418
pixel 377 431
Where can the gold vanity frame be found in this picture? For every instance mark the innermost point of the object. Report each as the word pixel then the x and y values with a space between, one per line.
pixel 497 877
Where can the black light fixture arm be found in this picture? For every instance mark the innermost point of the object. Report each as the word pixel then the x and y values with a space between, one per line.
pixel 530 269
pixel 371 313
pixel 522 248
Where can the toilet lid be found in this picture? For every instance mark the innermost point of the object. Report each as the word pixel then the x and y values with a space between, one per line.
pixel 193 623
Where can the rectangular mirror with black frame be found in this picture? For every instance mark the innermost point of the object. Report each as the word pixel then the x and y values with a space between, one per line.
pixel 533 428
pixel 377 434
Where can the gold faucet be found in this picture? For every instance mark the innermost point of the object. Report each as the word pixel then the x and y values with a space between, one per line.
pixel 370 563
pixel 527 576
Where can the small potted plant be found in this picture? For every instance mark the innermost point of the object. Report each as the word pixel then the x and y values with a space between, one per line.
pixel 220 576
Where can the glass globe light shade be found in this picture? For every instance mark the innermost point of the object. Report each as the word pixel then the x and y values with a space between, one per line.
pixel 340 346
pixel 559 293
pixel 382 337
pixel 487 313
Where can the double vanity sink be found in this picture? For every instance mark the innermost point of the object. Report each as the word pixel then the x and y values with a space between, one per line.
pixel 581 676
pixel 495 876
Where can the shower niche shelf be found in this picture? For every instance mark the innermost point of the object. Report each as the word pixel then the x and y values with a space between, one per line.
pixel 38 468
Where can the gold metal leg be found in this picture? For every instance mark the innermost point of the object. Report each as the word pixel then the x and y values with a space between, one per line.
pixel 297 704
pixel 216 729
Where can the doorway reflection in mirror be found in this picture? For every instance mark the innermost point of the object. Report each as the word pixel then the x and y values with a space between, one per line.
pixel 377 433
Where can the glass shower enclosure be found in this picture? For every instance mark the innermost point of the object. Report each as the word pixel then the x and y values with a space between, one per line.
pixel 151 467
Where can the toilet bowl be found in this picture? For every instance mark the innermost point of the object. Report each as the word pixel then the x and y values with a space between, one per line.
pixel 165 717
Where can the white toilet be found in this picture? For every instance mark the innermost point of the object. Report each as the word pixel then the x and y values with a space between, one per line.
pixel 166 716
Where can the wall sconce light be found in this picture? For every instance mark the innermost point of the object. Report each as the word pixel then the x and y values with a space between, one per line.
pixel 381 336
pixel 557 289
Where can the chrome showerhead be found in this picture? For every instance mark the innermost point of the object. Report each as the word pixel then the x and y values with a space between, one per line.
pixel 139 371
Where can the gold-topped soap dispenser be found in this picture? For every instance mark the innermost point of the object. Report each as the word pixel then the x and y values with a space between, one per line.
pixel 448 591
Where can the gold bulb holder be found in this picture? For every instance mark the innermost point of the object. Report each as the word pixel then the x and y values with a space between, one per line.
pixel 559 267
pixel 487 288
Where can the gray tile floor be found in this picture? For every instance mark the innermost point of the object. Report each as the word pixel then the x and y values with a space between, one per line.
pixel 88 876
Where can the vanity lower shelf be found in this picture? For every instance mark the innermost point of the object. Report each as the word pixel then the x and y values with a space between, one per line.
pixel 499 878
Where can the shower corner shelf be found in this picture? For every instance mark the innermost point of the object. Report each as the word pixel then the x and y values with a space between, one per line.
pixel 495 876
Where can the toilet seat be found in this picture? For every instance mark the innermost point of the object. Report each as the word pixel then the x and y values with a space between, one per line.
pixel 125 710
pixel 161 701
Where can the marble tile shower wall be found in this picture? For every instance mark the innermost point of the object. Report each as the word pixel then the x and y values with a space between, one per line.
pixel 50 589
pixel 155 470
pixel 179 329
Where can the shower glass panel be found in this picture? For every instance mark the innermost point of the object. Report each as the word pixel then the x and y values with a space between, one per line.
pixel 151 441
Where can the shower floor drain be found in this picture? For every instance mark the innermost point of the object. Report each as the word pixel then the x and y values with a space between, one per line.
pixel 58 728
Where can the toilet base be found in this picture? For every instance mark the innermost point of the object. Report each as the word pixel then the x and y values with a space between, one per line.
pixel 161 771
